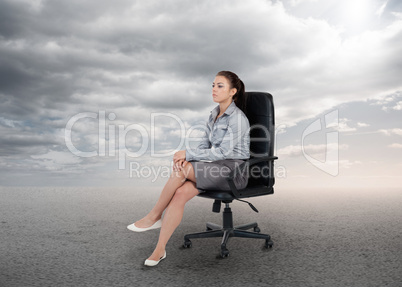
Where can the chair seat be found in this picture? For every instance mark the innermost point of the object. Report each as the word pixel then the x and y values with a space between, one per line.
pixel 227 195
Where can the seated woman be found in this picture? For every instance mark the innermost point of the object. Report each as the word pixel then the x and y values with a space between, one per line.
pixel 224 145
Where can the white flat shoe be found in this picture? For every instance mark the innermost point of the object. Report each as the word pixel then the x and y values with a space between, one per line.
pixel 153 262
pixel 156 225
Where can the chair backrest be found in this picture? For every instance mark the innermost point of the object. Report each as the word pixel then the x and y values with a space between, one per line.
pixel 261 115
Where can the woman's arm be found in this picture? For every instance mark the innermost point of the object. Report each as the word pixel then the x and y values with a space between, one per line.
pixel 204 141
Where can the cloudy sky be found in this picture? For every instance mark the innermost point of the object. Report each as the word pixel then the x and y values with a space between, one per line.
pixel 102 92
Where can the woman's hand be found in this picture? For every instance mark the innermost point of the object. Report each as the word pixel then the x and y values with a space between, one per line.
pixel 179 160
pixel 177 166
pixel 180 155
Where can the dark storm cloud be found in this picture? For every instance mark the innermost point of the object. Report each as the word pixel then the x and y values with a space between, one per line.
pixel 19 144
pixel 61 48
pixel 66 48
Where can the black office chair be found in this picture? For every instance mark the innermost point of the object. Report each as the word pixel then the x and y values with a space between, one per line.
pixel 261 115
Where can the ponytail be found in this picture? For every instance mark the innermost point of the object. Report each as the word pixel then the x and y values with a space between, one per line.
pixel 239 98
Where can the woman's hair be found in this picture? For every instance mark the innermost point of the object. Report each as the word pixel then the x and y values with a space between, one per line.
pixel 240 97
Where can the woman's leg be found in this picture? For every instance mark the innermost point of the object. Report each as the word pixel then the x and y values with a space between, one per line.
pixel 176 180
pixel 173 216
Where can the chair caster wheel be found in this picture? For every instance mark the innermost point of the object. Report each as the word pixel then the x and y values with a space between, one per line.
pixel 269 244
pixel 187 244
pixel 224 251
pixel 257 229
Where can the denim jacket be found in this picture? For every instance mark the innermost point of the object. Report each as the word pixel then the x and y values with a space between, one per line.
pixel 227 138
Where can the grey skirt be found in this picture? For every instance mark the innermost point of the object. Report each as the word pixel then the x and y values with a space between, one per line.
pixel 212 175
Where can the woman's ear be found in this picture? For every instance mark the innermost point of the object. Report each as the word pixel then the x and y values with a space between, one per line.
pixel 233 92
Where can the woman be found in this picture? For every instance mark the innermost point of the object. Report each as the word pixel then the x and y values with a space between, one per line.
pixel 223 147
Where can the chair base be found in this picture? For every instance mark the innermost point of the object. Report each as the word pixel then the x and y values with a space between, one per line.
pixel 228 230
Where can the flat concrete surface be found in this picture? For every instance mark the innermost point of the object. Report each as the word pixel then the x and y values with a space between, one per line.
pixel 78 237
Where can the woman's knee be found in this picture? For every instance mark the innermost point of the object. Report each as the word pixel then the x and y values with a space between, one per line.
pixel 182 193
pixel 188 171
pixel 177 175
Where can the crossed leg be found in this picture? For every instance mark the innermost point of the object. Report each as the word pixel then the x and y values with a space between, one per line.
pixel 179 189
pixel 173 216
pixel 176 180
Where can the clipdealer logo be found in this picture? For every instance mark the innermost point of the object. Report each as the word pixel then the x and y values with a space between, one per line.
pixel 330 165
pixel 112 141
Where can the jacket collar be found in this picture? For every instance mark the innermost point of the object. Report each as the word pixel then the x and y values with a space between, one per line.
pixel 228 111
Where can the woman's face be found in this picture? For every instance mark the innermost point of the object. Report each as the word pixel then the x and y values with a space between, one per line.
pixel 221 91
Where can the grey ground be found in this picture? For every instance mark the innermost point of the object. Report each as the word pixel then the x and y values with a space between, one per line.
pixel 78 237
